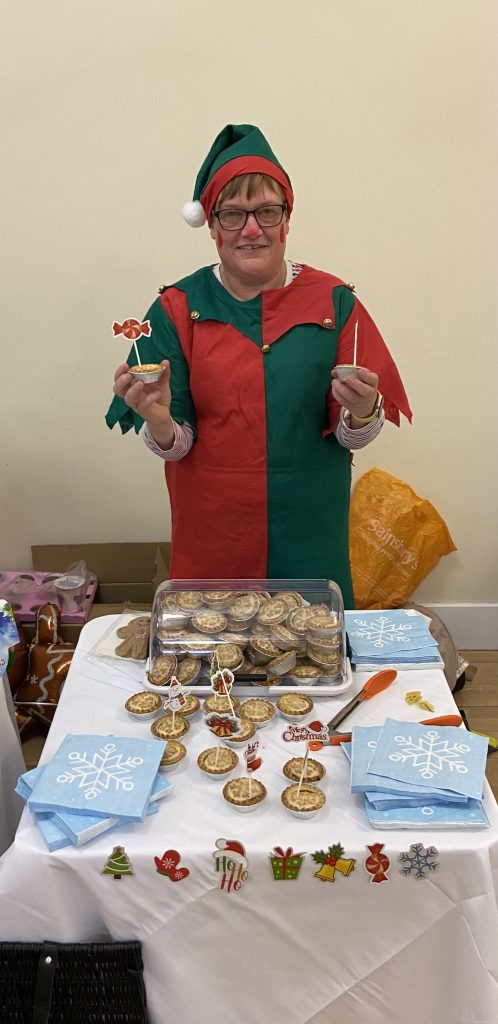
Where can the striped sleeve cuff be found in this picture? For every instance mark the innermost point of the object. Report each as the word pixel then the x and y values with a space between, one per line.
pixel 183 441
pixel 355 439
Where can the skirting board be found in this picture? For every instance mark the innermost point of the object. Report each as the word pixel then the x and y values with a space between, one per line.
pixel 473 627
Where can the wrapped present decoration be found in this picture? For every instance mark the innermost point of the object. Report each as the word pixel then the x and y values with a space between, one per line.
pixel 285 864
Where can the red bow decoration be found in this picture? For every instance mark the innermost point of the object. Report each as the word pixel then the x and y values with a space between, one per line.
pixel 279 852
pixel 168 865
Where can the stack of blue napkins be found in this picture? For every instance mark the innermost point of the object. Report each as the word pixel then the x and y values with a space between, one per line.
pixel 422 776
pixel 94 784
pixel 391 639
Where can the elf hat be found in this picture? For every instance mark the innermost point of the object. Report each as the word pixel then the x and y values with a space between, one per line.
pixel 234 848
pixel 238 149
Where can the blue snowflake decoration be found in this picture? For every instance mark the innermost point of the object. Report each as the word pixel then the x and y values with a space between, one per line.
pixel 418 862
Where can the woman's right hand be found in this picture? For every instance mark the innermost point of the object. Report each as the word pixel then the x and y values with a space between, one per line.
pixel 150 401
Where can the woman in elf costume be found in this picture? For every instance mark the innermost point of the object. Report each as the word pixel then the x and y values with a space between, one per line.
pixel 254 427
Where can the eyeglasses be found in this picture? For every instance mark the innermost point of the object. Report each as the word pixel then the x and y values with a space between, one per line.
pixel 267 216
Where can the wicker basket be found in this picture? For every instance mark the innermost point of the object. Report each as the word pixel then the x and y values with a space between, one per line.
pixel 72 983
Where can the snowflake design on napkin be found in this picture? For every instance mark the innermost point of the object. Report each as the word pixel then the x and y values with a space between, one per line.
pixel 381 631
pixel 431 754
pixel 103 770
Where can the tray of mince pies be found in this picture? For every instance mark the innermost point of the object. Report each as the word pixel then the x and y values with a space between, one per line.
pixel 273 635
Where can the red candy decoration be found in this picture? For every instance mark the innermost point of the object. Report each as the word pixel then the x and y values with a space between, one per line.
pixel 377 863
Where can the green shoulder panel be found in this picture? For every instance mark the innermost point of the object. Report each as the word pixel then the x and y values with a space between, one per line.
pixel 163 343
pixel 343 299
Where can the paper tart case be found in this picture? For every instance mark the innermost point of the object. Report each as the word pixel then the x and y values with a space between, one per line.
pixel 174 754
pixel 309 795
pixel 314 770
pixel 148 373
pixel 227 761
pixel 240 739
pixel 164 729
pixel 258 710
pixel 294 706
pixel 221 704
pixel 144 705
pixel 236 793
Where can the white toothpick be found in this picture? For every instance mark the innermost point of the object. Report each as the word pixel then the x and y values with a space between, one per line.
pixel 227 692
pixel 136 352
pixel 217 756
pixel 303 771
pixel 355 342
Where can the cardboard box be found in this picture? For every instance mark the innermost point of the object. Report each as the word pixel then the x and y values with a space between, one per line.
pixel 126 571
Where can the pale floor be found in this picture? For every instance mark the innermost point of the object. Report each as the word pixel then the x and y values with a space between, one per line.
pixel 479 700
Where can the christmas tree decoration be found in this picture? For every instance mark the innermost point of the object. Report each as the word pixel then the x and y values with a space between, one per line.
pixel 285 864
pixel 168 865
pixel 377 863
pixel 418 862
pixel 331 860
pixel 118 864
pixel 230 864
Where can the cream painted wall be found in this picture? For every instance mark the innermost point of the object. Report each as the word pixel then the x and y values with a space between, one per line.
pixel 383 114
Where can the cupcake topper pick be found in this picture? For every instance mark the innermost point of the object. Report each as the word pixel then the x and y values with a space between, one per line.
pixel 177 697
pixel 253 762
pixel 132 329
pixel 222 679
pixel 303 770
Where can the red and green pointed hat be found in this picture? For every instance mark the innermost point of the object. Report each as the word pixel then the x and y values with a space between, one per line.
pixel 238 149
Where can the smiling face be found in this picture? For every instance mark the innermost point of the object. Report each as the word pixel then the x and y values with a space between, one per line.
pixel 252 257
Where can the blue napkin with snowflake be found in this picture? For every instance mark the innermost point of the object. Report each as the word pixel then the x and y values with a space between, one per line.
pixel 430 816
pixel 99 775
pixel 395 636
pixel 430 756
pixel 77 829
pixel 364 741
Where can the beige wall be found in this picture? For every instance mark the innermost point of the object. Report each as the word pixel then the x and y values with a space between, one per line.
pixel 382 112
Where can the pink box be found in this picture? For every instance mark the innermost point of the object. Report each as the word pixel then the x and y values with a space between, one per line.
pixel 26 591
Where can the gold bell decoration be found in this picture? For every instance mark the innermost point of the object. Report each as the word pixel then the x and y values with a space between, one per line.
pixel 331 860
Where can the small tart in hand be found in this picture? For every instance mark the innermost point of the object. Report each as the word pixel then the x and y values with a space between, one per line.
pixel 314 769
pixel 294 705
pixel 216 762
pixel 306 802
pixel 244 794
pixel 167 728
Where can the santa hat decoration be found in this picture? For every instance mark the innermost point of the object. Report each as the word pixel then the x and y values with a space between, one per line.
pixel 238 149
pixel 231 848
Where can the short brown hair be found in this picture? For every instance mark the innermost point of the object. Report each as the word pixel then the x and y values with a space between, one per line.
pixel 252 182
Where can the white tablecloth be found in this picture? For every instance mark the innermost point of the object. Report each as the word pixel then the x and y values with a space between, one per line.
pixel 286 952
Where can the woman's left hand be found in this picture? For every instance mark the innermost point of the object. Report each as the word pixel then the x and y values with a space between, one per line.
pixel 358 394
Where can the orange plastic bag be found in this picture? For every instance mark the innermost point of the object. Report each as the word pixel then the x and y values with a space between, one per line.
pixel 396 539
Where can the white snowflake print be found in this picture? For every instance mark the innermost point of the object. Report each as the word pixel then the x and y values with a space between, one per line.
pixel 431 754
pixel 381 632
pixel 419 861
pixel 105 769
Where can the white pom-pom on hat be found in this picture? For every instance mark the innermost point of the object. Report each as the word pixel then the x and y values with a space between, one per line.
pixel 193 214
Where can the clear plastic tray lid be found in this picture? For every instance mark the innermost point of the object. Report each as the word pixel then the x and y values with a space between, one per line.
pixel 268 632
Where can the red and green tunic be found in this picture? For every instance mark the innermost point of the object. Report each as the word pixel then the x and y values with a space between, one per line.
pixel 264 491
